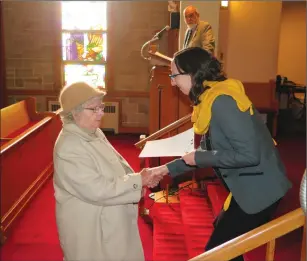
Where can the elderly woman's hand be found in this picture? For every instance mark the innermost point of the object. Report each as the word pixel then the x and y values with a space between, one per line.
pixel 150 178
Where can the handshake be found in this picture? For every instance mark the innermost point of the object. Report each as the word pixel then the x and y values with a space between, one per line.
pixel 152 176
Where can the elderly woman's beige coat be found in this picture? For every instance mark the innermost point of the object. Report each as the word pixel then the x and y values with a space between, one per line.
pixel 96 201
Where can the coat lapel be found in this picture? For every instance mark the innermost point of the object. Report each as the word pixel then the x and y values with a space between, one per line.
pixel 125 164
pixel 194 33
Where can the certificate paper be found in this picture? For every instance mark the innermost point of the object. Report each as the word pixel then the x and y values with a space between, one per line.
pixel 178 145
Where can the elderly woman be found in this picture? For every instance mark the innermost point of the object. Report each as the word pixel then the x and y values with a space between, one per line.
pixel 236 144
pixel 96 190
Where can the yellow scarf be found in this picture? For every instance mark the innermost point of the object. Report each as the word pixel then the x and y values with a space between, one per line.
pixel 201 115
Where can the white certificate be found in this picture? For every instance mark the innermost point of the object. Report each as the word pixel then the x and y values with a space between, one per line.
pixel 178 145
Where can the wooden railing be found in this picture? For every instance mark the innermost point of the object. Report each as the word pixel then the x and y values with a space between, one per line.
pixel 265 234
pixel 175 125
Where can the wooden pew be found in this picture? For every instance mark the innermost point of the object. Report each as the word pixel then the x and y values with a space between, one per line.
pixel 27 140
pixel 263 96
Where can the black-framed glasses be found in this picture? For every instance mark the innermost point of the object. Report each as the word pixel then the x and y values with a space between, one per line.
pixel 97 108
pixel 172 76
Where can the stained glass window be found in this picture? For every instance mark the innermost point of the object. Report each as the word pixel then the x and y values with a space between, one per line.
pixel 92 74
pixel 84 41
pixel 84 47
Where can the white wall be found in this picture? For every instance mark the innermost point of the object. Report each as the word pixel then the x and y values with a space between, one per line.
pixel 292 42
pixel 252 41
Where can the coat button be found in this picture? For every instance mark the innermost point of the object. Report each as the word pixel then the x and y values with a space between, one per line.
pixel 135 186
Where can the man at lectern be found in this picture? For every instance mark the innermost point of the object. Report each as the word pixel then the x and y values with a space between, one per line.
pixel 199 33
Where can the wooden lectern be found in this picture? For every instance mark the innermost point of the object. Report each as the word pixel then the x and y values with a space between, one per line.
pixel 167 103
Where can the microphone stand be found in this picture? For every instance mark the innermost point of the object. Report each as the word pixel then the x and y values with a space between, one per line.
pixel 148 58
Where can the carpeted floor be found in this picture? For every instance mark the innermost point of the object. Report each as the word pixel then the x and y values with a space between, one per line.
pixel 35 238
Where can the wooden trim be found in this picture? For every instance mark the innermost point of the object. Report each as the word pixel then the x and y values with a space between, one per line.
pixel 6 138
pixel 72 31
pixel 3 95
pixel 173 126
pixel 270 251
pixel 127 94
pixel 134 130
pixel 2 236
pixel 24 135
pixel 57 50
pixel 32 92
pixel 81 62
pixel 255 238
pixel 25 198
pixel 110 94
pixel 110 69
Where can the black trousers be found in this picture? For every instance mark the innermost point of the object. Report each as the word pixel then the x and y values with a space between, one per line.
pixel 235 222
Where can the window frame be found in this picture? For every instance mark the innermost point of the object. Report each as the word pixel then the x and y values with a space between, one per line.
pixel 84 31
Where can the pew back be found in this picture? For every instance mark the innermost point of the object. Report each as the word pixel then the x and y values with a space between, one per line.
pixel 262 95
pixel 14 117
pixel 26 158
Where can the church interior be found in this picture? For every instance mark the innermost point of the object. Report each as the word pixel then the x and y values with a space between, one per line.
pixel 45 45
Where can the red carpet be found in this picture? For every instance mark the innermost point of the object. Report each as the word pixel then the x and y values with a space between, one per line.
pixel 35 236
pixel 169 237
pixel 180 231
pixel 197 218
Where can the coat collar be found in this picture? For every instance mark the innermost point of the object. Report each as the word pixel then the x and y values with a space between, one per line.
pixel 82 133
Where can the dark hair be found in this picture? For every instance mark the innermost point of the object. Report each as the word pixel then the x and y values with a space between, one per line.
pixel 201 66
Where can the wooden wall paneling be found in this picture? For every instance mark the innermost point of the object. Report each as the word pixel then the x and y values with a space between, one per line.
pixel 3 95
pixel 163 107
pixel 110 46
pixel 57 65
pixel 173 36
pixel 185 108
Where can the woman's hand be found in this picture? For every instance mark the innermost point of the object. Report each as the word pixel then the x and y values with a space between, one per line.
pixel 189 158
pixel 160 171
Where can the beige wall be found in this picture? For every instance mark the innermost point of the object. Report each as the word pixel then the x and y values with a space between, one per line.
pixel 208 10
pixel 292 47
pixel 247 35
pixel 33 52
pixel 133 25
pixel 30 30
pixel 250 40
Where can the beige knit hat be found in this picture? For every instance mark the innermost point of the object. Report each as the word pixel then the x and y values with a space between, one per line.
pixel 76 94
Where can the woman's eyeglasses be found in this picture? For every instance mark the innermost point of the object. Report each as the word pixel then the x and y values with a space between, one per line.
pixel 172 76
pixel 97 109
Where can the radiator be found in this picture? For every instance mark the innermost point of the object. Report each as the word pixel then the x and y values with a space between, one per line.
pixel 110 119
pixel 53 105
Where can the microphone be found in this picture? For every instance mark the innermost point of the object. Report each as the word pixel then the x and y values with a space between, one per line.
pixel 159 34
